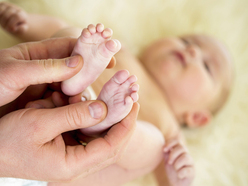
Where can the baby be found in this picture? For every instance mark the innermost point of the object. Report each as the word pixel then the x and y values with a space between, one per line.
pixel 183 81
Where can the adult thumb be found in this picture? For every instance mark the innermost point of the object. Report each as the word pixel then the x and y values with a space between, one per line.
pixel 49 123
pixel 49 70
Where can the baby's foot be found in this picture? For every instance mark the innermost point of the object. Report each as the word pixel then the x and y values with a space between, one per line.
pixel 119 94
pixel 97 49
pixel 12 18
pixel 178 164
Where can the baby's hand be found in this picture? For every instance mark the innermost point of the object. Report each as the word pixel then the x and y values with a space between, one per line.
pixel 178 164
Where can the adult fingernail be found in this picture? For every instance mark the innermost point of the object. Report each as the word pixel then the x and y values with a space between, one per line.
pixel 96 110
pixel 72 61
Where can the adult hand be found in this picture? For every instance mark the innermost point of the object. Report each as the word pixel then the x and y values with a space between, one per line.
pixel 32 146
pixel 35 64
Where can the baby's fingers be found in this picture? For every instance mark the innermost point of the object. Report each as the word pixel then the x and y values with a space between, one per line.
pixel 176 152
pixel 170 144
pixel 186 172
pixel 182 161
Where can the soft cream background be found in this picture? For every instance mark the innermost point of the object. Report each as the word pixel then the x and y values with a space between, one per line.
pixel 220 150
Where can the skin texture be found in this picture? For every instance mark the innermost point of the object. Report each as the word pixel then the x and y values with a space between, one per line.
pixel 41 65
pixel 35 59
pixel 167 67
pixel 36 134
pixel 119 93
pixel 192 71
pixel 179 165
pixel 97 48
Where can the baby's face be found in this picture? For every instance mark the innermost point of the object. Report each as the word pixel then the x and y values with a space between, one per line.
pixel 191 70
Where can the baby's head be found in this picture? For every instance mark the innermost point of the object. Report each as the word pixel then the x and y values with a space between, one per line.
pixel 195 72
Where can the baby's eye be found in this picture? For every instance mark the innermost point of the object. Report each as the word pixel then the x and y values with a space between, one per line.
pixel 185 41
pixel 207 67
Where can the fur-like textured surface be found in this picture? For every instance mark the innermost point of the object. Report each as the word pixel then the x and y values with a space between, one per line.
pixel 220 150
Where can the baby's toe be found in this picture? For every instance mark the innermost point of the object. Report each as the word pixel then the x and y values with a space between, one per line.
pixel 113 45
pixel 128 83
pixel 128 100
pixel 135 87
pixel 85 33
pixel 107 33
pixel 121 76
pixel 135 96
pixel 132 79
pixel 92 28
pixel 99 27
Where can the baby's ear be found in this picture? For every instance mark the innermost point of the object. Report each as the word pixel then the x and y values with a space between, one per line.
pixel 198 118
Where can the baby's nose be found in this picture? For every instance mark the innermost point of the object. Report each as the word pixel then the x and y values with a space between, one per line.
pixel 194 52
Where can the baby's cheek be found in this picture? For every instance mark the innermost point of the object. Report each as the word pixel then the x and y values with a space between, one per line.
pixel 185 93
pixel 192 89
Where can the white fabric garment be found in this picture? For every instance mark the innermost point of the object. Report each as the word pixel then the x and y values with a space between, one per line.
pixel 20 182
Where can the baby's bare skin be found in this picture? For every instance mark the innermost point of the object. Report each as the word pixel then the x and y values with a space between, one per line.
pixel 97 49
pixel 161 115
pixel 13 18
pixel 119 94
pixel 154 110
pixel 179 165
pixel 28 27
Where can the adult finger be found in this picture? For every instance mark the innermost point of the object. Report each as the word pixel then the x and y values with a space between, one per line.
pixel 112 62
pixel 68 161
pixel 21 75
pixel 56 99
pixel 84 96
pixel 49 70
pixel 50 123
pixel 40 62
pixel 107 150
pixel 41 103
pixel 51 48
pixel 34 63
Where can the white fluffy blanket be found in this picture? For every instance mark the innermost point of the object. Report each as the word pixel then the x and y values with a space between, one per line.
pixel 220 150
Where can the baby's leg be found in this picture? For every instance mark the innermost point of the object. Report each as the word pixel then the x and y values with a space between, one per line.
pixel 97 49
pixel 28 27
pixel 119 94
